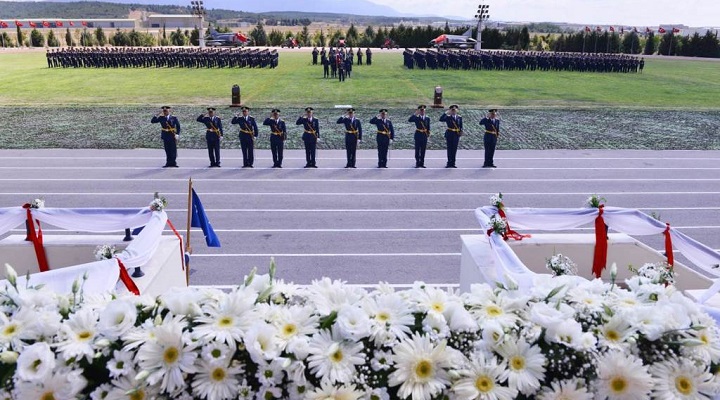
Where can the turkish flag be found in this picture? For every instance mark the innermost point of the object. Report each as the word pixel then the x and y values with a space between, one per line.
pixel 72 23
pixel 612 29
pixel 676 30
pixel 58 23
pixel 83 23
pixel 33 25
pixel 46 24
pixel 18 23
pixel 662 30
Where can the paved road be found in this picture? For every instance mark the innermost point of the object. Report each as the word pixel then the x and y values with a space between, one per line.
pixel 365 225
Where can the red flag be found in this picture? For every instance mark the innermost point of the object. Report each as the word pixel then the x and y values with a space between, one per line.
pixel 612 29
pixel 662 30
pixel 46 24
pixel 599 29
pixel 72 23
pixel 18 23
pixel 58 23
pixel 676 30
pixel 4 24
pixel 587 28
pixel 33 25
pixel 83 23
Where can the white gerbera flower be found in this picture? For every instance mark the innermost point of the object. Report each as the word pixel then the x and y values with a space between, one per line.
pixel 117 318
pixel 327 391
pixel 64 384
pixel 615 332
pixel 227 322
pixel 390 316
pixel 328 296
pixel 682 379
pixel 270 373
pixel 483 380
pixel 525 365
pixel 79 333
pixel 11 331
pixel 622 376
pixel 293 322
pixel 168 357
pixel 216 381
pixel 332 358
pixel 706 343
pixel 35 362
pixel 128 388
pixel 216 352
pixel 421 368
pixel 121 364
pixel 565 390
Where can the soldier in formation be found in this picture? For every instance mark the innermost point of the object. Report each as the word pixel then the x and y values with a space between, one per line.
pixel 311 134
pixel 491 123
pixel 161 57
pixel 385 136
pixel 278 134
pixel 422 133
pixel 353 135
pixel 453 131
pixel 213 135
pixel 248 134
pixel 170 133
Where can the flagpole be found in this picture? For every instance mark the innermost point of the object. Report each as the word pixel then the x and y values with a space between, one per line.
pixel 188 248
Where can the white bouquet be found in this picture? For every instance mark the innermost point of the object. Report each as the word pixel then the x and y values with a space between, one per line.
pixel 104 252
pixel 561 265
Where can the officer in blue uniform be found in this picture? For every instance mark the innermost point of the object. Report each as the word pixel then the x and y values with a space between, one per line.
pixel 422 132
pixel 278 134
pixel 353 135
pixel 492 131
pixel 213 135
pixel 248 133
pixel 453 131
pixel 385 136
pixel 310 136
pixel 170 133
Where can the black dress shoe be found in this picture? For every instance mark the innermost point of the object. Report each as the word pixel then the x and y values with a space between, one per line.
pixel 487 166
pixel 422 166
pixel 275 166
pixel 493 166
pixel 246 166
pixel 313 166
pixel 167 166
pixel 307 166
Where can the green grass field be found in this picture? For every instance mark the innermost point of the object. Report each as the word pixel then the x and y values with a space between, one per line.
pixel 665 84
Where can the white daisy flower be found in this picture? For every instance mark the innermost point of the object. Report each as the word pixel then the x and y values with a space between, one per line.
pixel 646 320
pixel 615 333
pixel 128 388
pixel 227 321
pixel 381 361
pixel 435 326
pixel 293 322
pixel 622 376
pixel 327 391
pixel 11 330
pixel 99 393
pixel 36 362
pixel 78 334
pixel 569 333
pixel 483 379
pixel 270 373
pixel 64 384
pixel 121 364
pixel 421 368
pixel 682 379
pixel 390 316
pixel 182 301
pixel 117 318
pixel 332 358
pixel 525 365
pixel 706 343
pixel 565 390
pixel 167 358
pixel 216 352
pixel 216 380
pixel 327 296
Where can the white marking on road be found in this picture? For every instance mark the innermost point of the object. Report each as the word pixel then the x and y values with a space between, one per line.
pixel 291 179
pixel 215 170
pixel 552 156
pixel 276 255
pixel 315 194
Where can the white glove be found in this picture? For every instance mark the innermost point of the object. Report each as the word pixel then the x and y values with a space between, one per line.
pixel 391 141
pixel 359 141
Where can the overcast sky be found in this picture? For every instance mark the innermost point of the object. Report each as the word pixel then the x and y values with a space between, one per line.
pixel 702 13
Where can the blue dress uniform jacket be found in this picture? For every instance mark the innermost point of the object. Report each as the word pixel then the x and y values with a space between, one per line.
pixel 353 134
pixel 492 131
pixel 170 131
pixel 453 131
pixel 278 134
pixel 385 133
pixel 311 133
pixel 213 133
pixel 422 132
pixel 248 133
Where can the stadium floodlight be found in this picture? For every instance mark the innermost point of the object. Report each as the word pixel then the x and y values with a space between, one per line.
pixel 483 13
pixel 198 9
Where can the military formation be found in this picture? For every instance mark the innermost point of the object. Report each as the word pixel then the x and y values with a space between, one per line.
pixel 161 57
pixel 338 62
pixel 352 126
pixel 521 61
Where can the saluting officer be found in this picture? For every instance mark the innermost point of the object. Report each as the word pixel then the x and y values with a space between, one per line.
pixel 453 131
pixel 353 135
pixel 248 133
pixel 385 136
pixel 310 136
pixel 278 134
pixel 492 131
pixel 422 132
pixel 170 133
pixel 213 135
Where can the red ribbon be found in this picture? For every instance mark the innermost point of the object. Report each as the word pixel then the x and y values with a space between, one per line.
pixel 37 240
pixel 601 245
pixel 509 232
pixel 668 245
pixel 182 251
pixel 126 279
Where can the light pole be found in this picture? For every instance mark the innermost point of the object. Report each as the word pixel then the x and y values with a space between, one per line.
pixel 483 13
pixel 198 9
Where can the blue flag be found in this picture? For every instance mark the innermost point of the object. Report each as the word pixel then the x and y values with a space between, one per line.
pixel 200 220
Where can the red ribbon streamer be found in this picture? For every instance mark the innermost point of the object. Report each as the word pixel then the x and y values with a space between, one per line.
pixel 668 245
pixel 126 279
pixel 601 245
pixel 509 232
pixel 37 240
pixel 182 251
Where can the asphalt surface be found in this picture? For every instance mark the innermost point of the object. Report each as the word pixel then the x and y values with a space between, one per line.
pixel 364 225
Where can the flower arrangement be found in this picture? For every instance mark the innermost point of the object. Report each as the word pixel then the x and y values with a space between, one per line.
pixel 497 201
pixel 560 265
pixel 158 203
pixel 594 201
pixel 104 252
pixel 658 273
pixel 267 339
pixel 37 203
pixel 498 224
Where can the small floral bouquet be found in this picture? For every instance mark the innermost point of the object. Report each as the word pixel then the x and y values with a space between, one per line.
pixel 37 203
pixel 660 273
pixel 499 225
pixel 497 200
pixel 104 252
pixel 159 203
pixel 561 265
pixel 594 201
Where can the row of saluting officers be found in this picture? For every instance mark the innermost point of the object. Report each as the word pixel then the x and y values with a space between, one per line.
pixel 170 132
